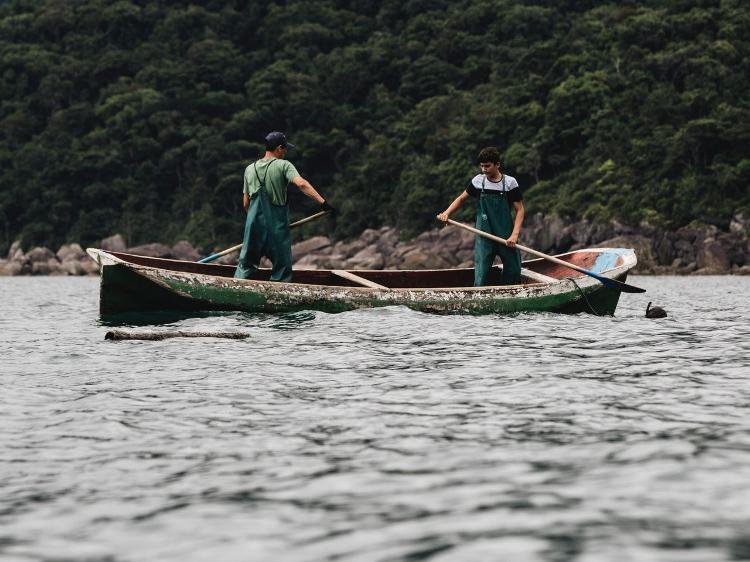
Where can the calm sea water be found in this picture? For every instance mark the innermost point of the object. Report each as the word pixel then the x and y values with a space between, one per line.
pixel 378 435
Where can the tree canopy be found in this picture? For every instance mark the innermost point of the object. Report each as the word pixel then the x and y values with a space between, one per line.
pixel 139 117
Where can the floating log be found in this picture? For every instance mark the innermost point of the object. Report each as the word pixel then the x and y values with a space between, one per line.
pixel 120 335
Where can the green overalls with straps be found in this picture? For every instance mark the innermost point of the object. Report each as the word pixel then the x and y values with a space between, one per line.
pixel 493 216
pixel 267 229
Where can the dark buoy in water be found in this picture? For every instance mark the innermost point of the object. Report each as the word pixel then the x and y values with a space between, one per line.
pixel 656 312
pixel 117 335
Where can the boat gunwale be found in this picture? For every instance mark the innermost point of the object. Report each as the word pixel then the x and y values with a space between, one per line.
pixel 582 281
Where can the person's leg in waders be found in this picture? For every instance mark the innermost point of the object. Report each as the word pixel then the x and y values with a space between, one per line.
pixel 266 234
pixel 493 216
pixel 253 240
pixel 278 246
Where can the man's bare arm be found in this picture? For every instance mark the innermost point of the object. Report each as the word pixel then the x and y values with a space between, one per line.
pixel 307 188
pixel 457 202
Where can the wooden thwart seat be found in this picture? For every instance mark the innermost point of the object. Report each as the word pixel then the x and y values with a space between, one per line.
pixel 538 277
pixel 533 275
pixel 357 279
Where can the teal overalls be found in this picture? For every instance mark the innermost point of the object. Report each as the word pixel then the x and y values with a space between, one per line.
pixel 266 234
pixel 493 216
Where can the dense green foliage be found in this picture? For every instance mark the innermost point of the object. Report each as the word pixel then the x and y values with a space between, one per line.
pixel 139 117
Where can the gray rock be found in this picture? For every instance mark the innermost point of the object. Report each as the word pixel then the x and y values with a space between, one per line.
pixel 40 255
pixel 367 258
pixel 310 261
pixel 69 252
pixel 154 250
pixel 389 237
pixel 10 268
pixel 183 250
pixel 90 267
pixel 421 259
pixel 369 236
pixel 316 244
pixel 740 224
pixel 684 250
pixel 15 253
pixel 73 267
pixel 322 261
pixel 712 257
pixel 114 243
pixel 348 248
pixel 48 267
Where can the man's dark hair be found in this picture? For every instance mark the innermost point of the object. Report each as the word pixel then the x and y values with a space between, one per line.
pixel 271 146
pixel 489 154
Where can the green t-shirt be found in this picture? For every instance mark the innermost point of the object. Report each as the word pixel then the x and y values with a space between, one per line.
pixel 274 173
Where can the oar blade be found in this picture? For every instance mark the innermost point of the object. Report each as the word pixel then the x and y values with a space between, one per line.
pixel 615 284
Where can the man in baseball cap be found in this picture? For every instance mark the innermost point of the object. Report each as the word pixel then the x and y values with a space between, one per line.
pixel 264 198
pixel 277 138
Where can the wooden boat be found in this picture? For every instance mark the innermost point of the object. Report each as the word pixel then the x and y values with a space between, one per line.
pixel 131 283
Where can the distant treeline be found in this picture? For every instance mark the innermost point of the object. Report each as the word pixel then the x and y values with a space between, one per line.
pixel 139 116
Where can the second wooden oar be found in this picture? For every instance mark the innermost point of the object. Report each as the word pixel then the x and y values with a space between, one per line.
pixel 606 281
pixel 213 257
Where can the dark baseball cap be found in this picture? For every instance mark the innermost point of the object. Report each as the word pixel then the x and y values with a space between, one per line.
pixel 276 138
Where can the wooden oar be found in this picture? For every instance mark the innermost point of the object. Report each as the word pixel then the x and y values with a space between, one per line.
pixel 606 281
pixel 213 257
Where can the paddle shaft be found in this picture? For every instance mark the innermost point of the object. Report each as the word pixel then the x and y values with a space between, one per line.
pixel 612 283
pixel 213 257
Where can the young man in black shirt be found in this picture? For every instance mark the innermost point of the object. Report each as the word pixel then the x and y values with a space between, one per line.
pixel 498 193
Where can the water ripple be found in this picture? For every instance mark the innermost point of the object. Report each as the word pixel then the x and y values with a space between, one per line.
pixel 377 435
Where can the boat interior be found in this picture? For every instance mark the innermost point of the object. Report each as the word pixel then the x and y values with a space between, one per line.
pixel 534 271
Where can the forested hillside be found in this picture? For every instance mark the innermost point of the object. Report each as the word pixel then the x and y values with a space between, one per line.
pixel 139 117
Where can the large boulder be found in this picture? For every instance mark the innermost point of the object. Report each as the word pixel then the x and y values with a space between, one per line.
pixel 71 252
pixel 369 236
pixel 454 245
pixel 316 244
pixel 183 250
pixel 50 267
pixel 712 258
pixel 10 268
pixel 387 240
pixel 740 224
pixel 348 249
pixel 40 255
pixel 73 267
pixel 115 243
pixel 154 250
pixel 15 253
pixel 546 233
pixel 367 258
pixel 322 261
pixel 420 258
pixel 41 261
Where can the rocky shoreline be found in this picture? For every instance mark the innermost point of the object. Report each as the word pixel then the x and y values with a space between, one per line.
pixel 695 249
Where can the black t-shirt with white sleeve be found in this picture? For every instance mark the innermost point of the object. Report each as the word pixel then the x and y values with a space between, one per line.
pixel 506 184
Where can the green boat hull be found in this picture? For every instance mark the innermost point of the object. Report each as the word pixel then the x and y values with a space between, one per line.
pixel 128 289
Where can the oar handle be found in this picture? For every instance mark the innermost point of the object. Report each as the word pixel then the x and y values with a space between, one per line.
pixel 519 246
pixel 611 283
pixel 213 257
pixel 306 219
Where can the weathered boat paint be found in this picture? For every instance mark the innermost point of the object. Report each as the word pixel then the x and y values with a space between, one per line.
pixel 128 287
